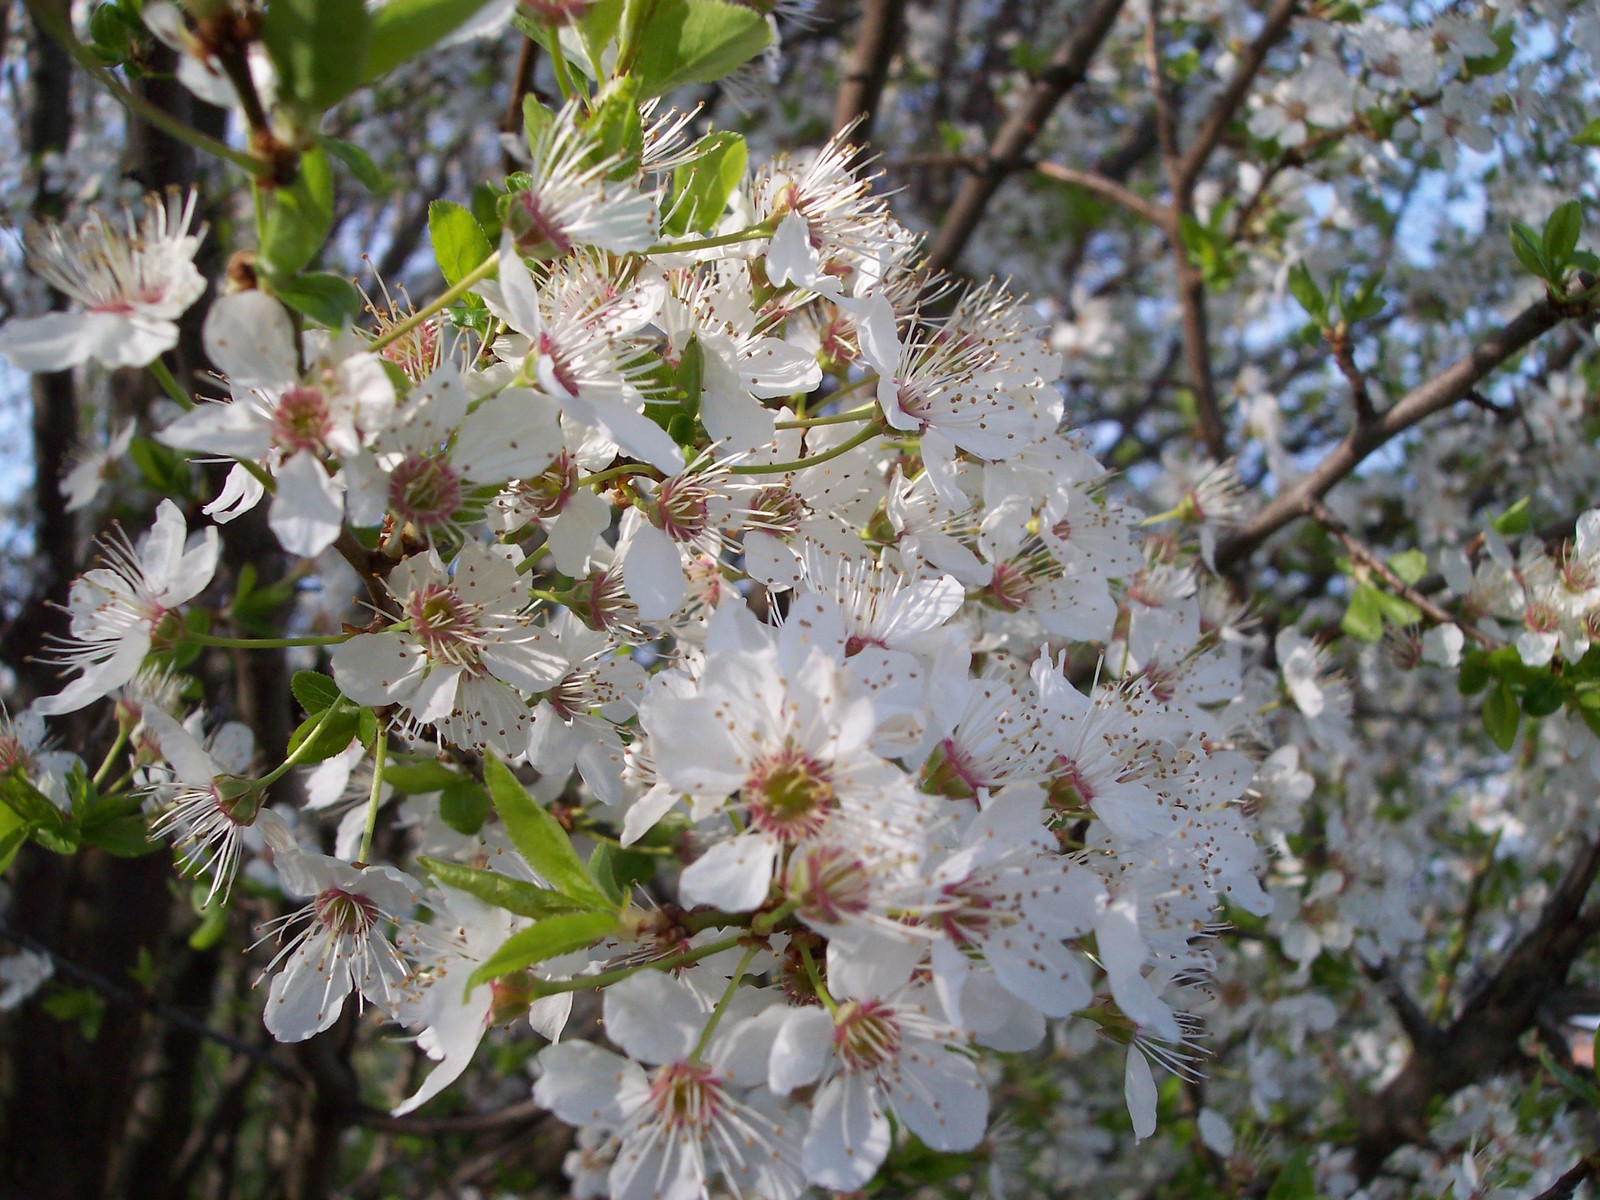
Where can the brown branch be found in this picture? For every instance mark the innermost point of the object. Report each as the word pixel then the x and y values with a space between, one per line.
pixel 1233 95
pixel 1362 553
pixel 1565 1187
pixel 1483 1038
pixel 1441 391
pixel 1191 284
pixel 1344 358
pixel 516 1114
pixel 877 39
pixel 521 85
pixel 1067 70
pixel 1123 197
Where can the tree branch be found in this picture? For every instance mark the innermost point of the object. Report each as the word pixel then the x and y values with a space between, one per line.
pixel 1233 95
pixel 1482 1039
pixel 1123 197
pixel 1444 389
pixel 877 39
pixel 1067 69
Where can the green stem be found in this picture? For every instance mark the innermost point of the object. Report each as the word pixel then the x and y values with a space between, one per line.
pixel 444 300
pixel 116 748
pixel 754 233
pixel 583 983
pixel 800 464
pixel 815 977
pixel 169 384
pixel 302 749
pixel 722 1005
pixel 864 413
pixel 62 31
pixel 563 70
pixel 533 558
pixel 380 754
pixel 283 643
pixel 617 472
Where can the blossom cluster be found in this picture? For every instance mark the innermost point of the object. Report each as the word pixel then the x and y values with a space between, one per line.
pixel 749 544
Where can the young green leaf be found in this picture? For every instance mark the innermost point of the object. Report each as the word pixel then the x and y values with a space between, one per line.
pixel 330 300
pixel 298 218
pixel 1561 233
pixel 314 690
pixel 1525 244
pixel 696 41
pixel 500 891
pixel 319 48
pixel 459 242
pixel 551 937
pixel 402 29
pixel 539 837
pixel 701 188
pixel 1306 292
pixel 1501 715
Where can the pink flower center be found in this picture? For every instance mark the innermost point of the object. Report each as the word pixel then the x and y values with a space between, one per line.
pixel 445 624
pixel 790 796
pixel 680 509
pixel 866 1035
pixel 687 1096
pixel 345 912
pixel 1010 587
pixel 778 510
pixel 537 225
pixel 425 490
pixel 829 883
pixel 549 492
pixel 300 422
pixel 560 363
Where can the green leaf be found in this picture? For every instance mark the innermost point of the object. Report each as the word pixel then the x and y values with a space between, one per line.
pixel 690 377
pixel 696 41
pixel 314 690
pixel 298 218
pixel 501 891
pixel 1501 716
pixel 1306 292
pixel 404 28
pixel 213 920
pixel 1525 244
pixel 1410 565
pixel 1363 618
pixel 464 805
pixel 329 300
pixel 1589 135
pixel 550 938
pixel 1493 64
pixel 701 188
pixel 319 48
pixel 13 833
pixel 359 162
pixel 616 127
pixel 618 869
pixel 336 734
pixel 1515 520
pixel 415 778
pixel 1561 235
pixel 539 837
pixel 459 242
pixel 1475 673
pixel 1295 1181
pixel 536 118
pixel 1542 697
pixel 164 472
pixel 125 837
pixel 29 803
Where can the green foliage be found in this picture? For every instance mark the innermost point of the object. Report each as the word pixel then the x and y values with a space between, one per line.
pixel 551 937
pixel 298 218
pixel 702 188
pixel 402 29
pixel 329 300
pixel 501 891
pixel 539 838
pixel 1551 253
pixel 314 690
pixel 319 48
pixel 692 41
pixel 459 243
pixel 464 805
